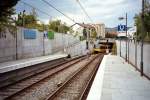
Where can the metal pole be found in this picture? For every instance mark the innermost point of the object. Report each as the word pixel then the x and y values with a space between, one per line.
pixel 142 37
pixel 142 57
pixel 120 47
pixel 128 49
pixel 43 42
pixel 81 47
pixel 87 38
pixel 23 20
pixel 43 46
pixel 16 39
pixel 16 46
pixel 126 36
pixel 136 51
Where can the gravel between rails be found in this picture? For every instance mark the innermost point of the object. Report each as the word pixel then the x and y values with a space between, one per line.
pixel 46 87
pixel 75 87
pixel 12 89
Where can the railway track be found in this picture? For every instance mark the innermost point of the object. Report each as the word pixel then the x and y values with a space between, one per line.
pixel 76 87
pixel 52 82
pixel 16 88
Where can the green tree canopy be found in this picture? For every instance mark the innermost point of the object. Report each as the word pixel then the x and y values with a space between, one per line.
pixel 6 10
pixel 93 33
pixel 58 26
pixel 27 20
pixel 146 22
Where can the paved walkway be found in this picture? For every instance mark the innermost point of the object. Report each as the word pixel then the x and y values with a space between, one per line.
pixel 12 65
pixel 119 81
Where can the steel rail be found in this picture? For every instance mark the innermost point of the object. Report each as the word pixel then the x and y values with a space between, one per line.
pixel 52 96
pixel 88 85
pixel 23 89
pixel 35 72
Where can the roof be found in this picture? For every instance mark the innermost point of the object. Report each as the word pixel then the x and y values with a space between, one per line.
pixel 86 25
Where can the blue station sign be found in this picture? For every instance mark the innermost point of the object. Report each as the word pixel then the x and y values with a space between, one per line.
pixel 122 28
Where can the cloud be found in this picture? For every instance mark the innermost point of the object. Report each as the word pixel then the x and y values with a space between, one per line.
pixel 105 8
pixel 106 11
pixel 106 3
pixel 79 18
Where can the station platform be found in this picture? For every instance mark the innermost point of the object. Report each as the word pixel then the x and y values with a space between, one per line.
pixel 17 64
pixel 118 80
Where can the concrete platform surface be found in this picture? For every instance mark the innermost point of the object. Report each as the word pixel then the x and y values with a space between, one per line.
pixel 13 65
pixel 117 80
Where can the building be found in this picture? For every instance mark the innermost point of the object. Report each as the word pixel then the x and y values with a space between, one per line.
pixel 82 29
pixel 100 29
pixel 111 32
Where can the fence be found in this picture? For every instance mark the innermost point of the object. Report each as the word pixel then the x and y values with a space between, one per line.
pixel 135 54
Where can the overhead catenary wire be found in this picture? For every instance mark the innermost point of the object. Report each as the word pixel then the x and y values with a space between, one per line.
pixel 47 13
pixel 58 10
pixel 36 8
pixel 84 10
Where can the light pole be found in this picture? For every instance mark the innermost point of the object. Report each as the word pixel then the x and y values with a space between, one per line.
pixel 23 20
pixel 136 36
pixel 86 33
pixel 126 19
pixel 43 41
pixel 136 50
pixel 16 40
pixel 142 37
pixel 120 47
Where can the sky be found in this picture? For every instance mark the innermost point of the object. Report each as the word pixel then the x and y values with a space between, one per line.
pixel 100 11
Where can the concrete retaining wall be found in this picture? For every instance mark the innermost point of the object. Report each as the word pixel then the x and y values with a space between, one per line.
pixel 7 47
pixel 27 48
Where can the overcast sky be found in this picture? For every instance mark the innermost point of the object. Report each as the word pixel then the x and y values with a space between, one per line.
pixel 100 11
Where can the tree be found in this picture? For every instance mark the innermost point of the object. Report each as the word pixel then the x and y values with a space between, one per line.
pixel 147 15
pixel 6 11
pixel 93 33
pixel 138 23
pixel 146 22
pixel 8 3
pixel 65 28
pixel 54 25
pixel 27 20
pixel 57 26
pixel 110 35
pixel 71 31
pixel 84 32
